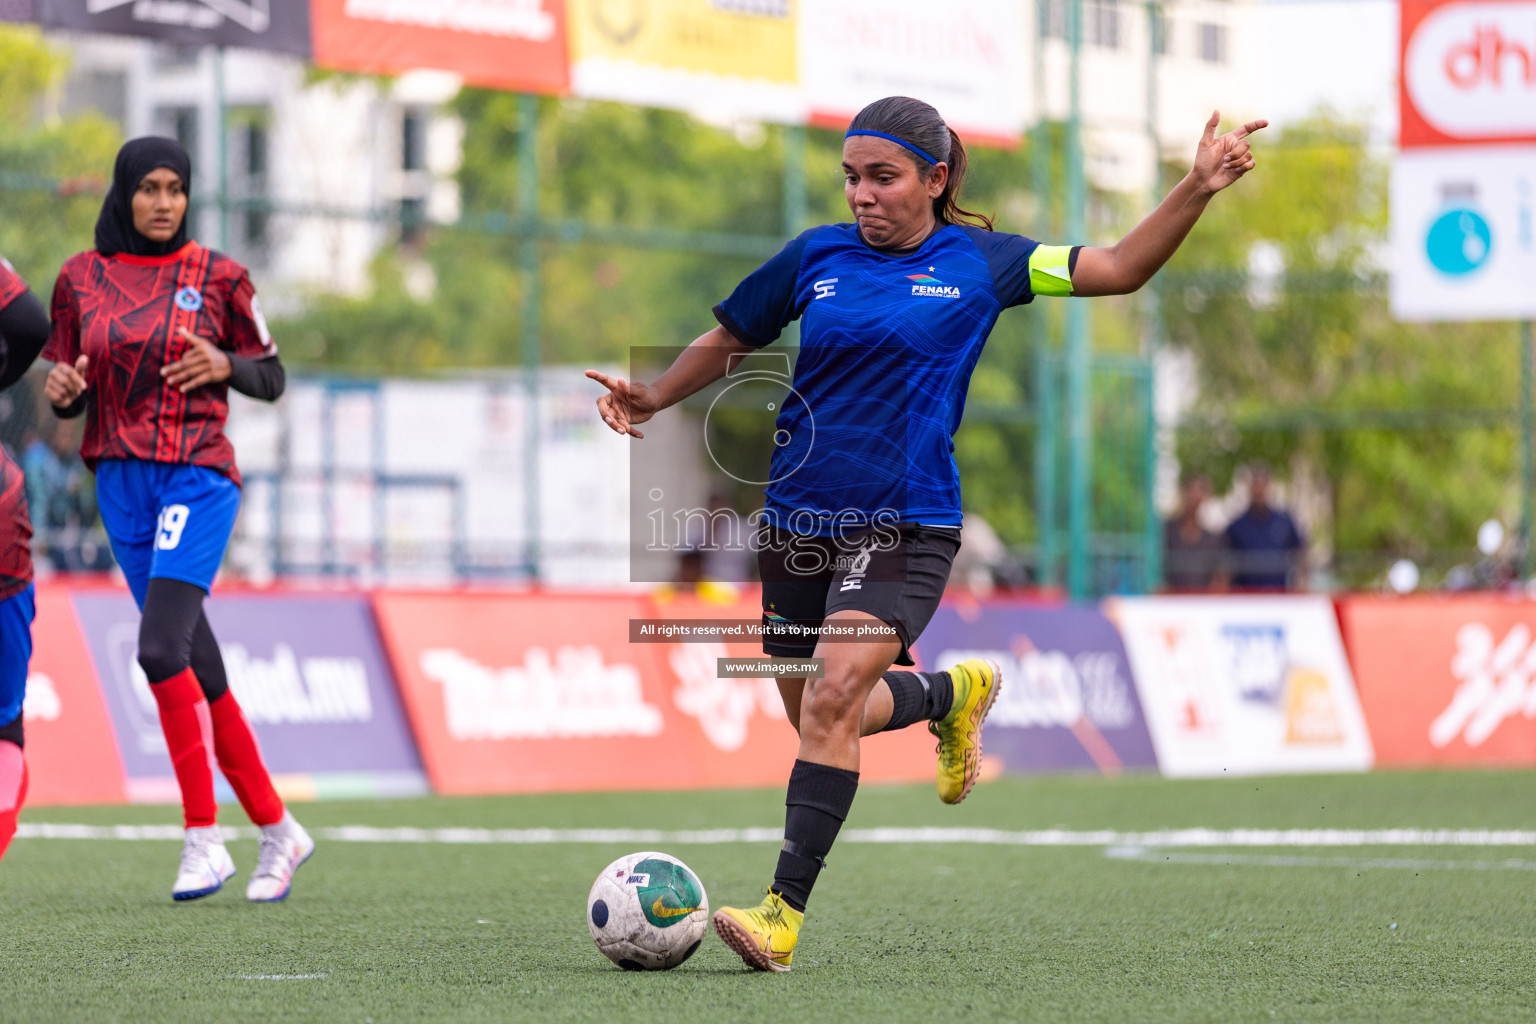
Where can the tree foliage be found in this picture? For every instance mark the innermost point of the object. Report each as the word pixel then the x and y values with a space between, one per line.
pixel 1309 372
pixel 43 222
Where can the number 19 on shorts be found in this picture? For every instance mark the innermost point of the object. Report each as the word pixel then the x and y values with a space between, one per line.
pixel 173 519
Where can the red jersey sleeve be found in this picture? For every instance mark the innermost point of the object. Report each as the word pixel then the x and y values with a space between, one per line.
pixel 247 333
pixel 11 284
pixel 64 343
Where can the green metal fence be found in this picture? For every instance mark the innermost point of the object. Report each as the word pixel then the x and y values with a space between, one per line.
pixel 1123 544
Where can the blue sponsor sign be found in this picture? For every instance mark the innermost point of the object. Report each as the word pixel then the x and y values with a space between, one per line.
pixel 1068 700
pixel 309 673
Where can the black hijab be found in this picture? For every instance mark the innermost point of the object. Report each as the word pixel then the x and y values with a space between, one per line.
pixel 115 232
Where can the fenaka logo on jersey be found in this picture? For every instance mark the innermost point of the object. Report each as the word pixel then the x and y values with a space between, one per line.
pixel 928 286
pixel 189 299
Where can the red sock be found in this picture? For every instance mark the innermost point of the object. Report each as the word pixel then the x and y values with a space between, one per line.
pixel 240 761
pixel 13 790
pixel 188 729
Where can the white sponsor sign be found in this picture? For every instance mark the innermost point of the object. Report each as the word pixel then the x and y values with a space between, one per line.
pixel 41 702
pixel 281 689
pixel 1244 685
pixel 1495 682
pixel 570 694
pixel 966 57
pixel 1464 233
pixel 1469 69
pixel 724 708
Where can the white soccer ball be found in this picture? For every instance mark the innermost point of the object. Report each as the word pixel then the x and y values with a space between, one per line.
pixel 647 912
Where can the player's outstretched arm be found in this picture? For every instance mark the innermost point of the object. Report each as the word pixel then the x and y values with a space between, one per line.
pixel 1125 267
pixel 629 403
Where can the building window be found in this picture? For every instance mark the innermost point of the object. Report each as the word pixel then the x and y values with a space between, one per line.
pixel 257 215
pixel 256 151
pixel 1102 26
pixel 180 123
pixel 413 141
pixel 413 220
pixel 1213 42
pixel 1162 32
pixel 1053 18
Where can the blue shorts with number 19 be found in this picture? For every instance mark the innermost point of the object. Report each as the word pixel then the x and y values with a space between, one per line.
pixel 166 520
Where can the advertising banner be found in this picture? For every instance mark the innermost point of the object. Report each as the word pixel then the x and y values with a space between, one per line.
pixel 1067 701
pixel 1244 685
pixel 1464 232
pixel 281 25
pixel 544 692
pixel 968 61
pixel 1464 184
pixel 518 45
pixel 72 755
pixel 732 57
pixel 1468 72
pixel 1446 681
pixel 309 672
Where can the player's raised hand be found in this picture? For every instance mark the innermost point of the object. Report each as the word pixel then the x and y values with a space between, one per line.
pixel 66 383
pixel 203 363
pixel 625 404
pixel 1219 161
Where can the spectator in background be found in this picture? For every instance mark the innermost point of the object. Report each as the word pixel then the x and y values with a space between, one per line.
pixel 1194 558
pixel 1267 547
pixel 62 498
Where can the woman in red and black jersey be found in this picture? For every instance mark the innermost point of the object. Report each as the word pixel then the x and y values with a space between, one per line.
pixel 23 330
pixel 150 331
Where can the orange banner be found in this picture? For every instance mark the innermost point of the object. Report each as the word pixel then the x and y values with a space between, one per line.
pixel 539 692
pixel 517 45
pixel 72 755
pixel 1445 680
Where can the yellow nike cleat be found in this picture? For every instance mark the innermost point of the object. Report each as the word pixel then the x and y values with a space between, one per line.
pixel 764 936
pixel 959 732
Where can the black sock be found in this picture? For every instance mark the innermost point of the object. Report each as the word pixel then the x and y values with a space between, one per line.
pixel 918 697
pixel 816 805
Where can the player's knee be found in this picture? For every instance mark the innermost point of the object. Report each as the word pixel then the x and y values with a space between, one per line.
pixel 161 658
pixel 836 700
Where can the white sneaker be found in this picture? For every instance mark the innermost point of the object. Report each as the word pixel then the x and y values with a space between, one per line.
pixel 205 864
pixel 284 847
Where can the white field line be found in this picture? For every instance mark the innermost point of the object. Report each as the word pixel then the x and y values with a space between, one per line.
pixel 1196 837
pixel 279 977
pixel 1153 855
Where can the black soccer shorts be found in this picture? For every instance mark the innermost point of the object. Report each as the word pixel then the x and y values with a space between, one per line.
pixel 896 573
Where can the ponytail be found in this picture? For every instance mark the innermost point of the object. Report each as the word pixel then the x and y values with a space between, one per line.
pixel 918 128
pixel 947 208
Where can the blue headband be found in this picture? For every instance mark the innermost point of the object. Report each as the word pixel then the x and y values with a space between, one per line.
pixel 891 138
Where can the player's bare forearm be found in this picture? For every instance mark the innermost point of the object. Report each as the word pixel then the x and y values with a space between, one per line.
pixel 1128 265
pixel 698 366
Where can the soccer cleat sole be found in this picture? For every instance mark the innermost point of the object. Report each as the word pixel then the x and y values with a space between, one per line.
pixel 280 897
pixel 979 716
pixel 740 940
pixel 197 894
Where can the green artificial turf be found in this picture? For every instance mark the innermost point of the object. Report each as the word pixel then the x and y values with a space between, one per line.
pixel 905 932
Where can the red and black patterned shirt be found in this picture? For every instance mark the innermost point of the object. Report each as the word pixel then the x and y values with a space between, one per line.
pixel 15 527
pixel 124 313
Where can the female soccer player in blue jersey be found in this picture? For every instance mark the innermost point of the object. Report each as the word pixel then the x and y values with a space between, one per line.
pixel 862 517
pixel 150 331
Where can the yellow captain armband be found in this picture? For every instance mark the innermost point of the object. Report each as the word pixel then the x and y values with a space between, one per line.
pixel 1050 270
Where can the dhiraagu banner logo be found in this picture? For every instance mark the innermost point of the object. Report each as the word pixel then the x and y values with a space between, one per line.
pixel 737 56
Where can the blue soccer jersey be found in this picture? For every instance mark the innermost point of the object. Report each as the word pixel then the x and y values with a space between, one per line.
pixel 888 341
